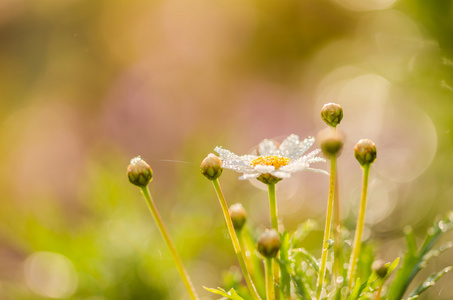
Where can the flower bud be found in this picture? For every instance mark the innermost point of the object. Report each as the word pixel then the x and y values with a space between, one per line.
pixel 268 179
pixel 380 267
pixel 331 143
pixel 332 113
pixel 139 172
pixel 211 167
pixel 238 216
pixel 365 152
pixel 269 243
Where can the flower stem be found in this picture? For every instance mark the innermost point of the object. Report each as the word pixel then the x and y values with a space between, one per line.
pixel 182 272
pixel 269 279
pixel 273 206
pixel 234 239
pixel 338 250
pixel 325 246
pixel 274 222
pixel 360 225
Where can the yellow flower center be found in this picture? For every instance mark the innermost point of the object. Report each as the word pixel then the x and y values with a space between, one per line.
pixel 271 160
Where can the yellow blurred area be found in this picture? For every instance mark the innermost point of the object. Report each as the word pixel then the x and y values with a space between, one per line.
pixel 87 85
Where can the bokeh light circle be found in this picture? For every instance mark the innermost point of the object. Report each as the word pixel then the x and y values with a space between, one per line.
pixel 50 275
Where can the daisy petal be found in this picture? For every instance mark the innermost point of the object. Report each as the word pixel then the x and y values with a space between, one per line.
pixel 295 167
pixel 317 171
pixel 280 174
pixel 264 169
pixel 288 145
pixel 267 147
pixel 301 148
pixel 249 176
pixel 248 158
pixel 226 154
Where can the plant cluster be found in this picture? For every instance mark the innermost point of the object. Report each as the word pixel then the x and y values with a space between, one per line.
pixel 275 266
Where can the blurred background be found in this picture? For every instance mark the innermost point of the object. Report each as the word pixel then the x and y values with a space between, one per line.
pixel 87 85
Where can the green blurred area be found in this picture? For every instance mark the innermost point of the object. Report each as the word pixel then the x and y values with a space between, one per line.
pixel 87 85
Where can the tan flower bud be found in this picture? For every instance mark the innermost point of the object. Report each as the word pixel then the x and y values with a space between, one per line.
pixel 211 167
pixel 269 243
pixel 365 152
pixel 331 143
pixel 332 113
pixel 238 216
pixel 139 172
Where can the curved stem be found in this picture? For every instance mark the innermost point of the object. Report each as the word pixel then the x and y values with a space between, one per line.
pixel 360 225
pixel 234 239
pixel 269 279
pixel 182 272
pixel 322 269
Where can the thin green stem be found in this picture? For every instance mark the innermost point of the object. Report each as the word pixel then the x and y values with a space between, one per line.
pixel 338 250
pixel 325 246
pixel 182 272
pixel 359 230
pixel 234 239
pixel 273 206
pixel 274 222
pixel 269 279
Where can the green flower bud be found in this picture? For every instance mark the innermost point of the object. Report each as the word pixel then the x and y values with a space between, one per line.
pixel 238 216
pixel 332 113
pixel 380 267
pixel 211 167
pixel 269 243
pixel 365 152
pixel 268 179
pixel 139 172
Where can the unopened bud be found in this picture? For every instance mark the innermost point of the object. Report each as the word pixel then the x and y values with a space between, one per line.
pixel 269 243
pixel 139 172
pixel 380 267
pixel 332 114
pixel 238 215
pixel 211 167
pixel 331 143
pixel 365 152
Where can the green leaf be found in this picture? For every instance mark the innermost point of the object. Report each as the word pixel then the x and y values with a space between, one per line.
pixel 356 291
pixel 309 257
pixel 415 260
pixel 392 267
pixel 437 251
pixel 366 258
pixel 230 295
pixel 410 240
pixel 301 288
pixel 285 265
pixel 430 282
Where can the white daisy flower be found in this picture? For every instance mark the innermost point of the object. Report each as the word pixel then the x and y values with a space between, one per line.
pixel 273 163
